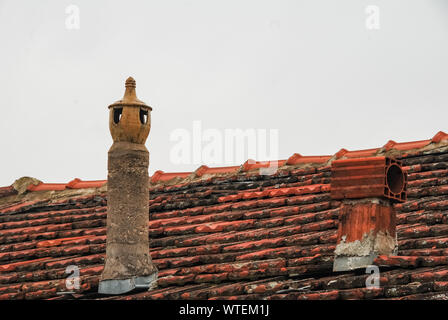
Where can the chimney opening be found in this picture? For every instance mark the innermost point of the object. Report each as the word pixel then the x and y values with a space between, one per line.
pixel 143 116
pixel 395 179
pixel 117 114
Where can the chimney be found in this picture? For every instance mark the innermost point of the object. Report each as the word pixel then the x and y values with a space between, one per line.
pixel 128 264
pixel 367 187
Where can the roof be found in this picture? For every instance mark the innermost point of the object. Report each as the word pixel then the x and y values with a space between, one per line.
pixel 231 232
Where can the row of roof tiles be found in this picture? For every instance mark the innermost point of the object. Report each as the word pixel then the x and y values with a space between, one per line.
pixel 214 240
pixel 249 165
pixel 74 184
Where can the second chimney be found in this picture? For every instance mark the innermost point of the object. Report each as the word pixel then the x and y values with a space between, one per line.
pixel 367 228
pixel 128 263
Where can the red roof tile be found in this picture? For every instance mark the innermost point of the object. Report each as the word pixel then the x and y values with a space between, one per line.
pixel 162 176
pixel 252 164
pixel 298 159
pixel 440 136
pixel 203 170
pixel 47 187
pixel 79 184
pixel 231 233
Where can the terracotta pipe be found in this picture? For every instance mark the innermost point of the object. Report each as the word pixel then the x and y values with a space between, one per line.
pixel 367 221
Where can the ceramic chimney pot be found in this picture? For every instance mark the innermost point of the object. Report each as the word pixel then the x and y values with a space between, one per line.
pixel 128 263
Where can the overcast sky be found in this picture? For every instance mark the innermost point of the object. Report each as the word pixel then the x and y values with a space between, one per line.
pixel 314 70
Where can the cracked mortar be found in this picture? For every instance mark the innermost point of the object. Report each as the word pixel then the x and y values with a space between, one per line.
pixel 379 243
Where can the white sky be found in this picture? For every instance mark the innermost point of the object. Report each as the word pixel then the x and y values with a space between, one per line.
pixel 310 69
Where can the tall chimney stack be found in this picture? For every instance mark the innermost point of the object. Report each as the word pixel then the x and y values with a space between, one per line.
pixel 367 188
pixel 128 264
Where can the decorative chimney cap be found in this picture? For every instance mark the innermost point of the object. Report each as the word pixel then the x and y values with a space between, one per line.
pixel 130 82
pixel 130 97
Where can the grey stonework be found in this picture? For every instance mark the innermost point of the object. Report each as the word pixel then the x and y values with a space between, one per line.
pixel 127 249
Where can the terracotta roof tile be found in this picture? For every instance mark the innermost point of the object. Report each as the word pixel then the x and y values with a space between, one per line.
pixel 440 136
pixel 79 184
pixel 232 233
pixel 299 159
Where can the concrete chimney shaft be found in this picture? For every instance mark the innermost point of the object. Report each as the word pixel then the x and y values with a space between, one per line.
pixel 128 264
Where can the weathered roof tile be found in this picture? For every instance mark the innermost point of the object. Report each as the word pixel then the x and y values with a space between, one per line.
pixel 231 233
